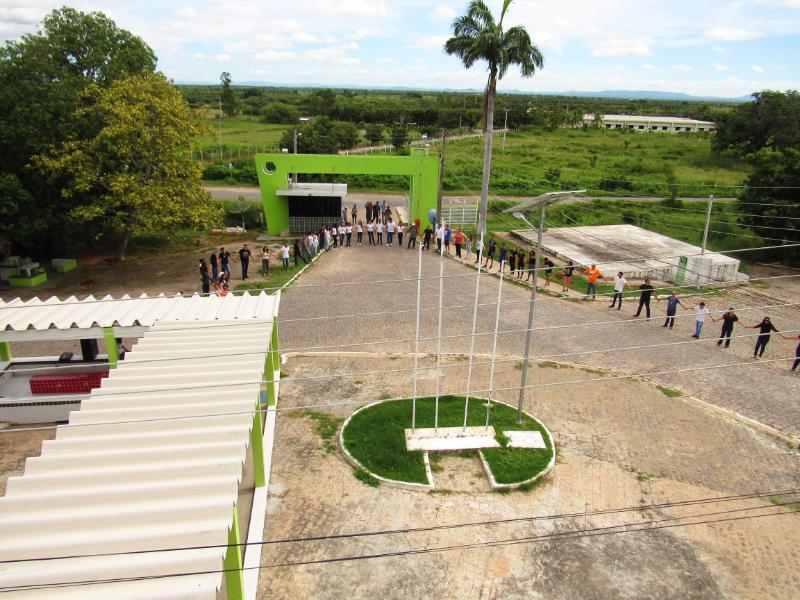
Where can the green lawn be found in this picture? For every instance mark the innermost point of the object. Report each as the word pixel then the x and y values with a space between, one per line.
pixel 602 162
pixel 375 437
pixel 241 130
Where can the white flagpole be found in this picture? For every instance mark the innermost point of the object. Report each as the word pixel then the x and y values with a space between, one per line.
pixel 439 334
pixel 416 348
pixel 494 345
pixel 472 338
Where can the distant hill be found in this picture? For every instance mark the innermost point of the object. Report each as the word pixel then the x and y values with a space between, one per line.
pixel 618 94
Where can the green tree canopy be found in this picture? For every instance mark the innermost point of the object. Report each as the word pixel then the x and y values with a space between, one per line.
pixel 279 112
pixel 399 135
pixel 137 166
pixel 227 99
pixel 374 133
pixel 41 80
pixel 322 136
pixel 771 120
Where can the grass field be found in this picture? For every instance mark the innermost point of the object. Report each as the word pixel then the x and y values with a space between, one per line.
pixel 375 437
pixel 602 162
pixel 240 131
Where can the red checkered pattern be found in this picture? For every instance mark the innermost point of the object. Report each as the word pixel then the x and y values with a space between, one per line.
pixel 77 383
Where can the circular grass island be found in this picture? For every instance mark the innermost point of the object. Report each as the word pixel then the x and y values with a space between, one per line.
pixel 373 439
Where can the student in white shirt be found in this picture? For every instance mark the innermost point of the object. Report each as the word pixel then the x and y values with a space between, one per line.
pixel 478 249
pixel 359 232
pixel 285 255
pixel 400 235
pixel 370 234
pixel 379 229
pixel 619 286
pixel 335 235
pixel 349 230
pixel 700 314
pixel 390 228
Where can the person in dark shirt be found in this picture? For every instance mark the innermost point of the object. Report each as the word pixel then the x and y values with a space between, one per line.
pixel 796 362
pixel 521 264
pixel 214 266
pixel 490 254
pixel 244 257
pixel 204 278
pixel 548 271
pixel 728 318
pixel 531 266
pixel 765 330
pixel 502 256
pixel 673 302
pixel 426 238
pixel 644 298
pixel 568 270
pixel 224 262
pixel 512 262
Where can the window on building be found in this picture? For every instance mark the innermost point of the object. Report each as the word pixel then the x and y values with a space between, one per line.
pixel 664 128
pixel 654 127
pixel 641 126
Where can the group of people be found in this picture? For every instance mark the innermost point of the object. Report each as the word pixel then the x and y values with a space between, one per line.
pixel 217 271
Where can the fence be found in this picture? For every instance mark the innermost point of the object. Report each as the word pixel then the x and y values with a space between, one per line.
pixel 460 211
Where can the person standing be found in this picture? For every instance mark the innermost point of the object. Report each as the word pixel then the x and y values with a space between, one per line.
pixel 458 240
pixel 205 280
pixel 368 211
pixel 390 228
pixel 619 286
pixel 426 238
pixel 439 237
pixel 285 255
pixel 700 315
pixel 548 272
pixel 448 234
pixel 490 254
pixel 592 275
pixel 796 362
pixel 224 262
pixel 728 318
pixel 359 232
pixel 214 266
pixel 379 231
pixel 383 209
pixel 371 233
pixel 531 266
pixel 400 234
pixel 265 260
pixel 646 291
pixel 353 214
pixel 672 309
pixel 765 331
pixel 297 253
pixel 569 268
pixel 520 264
pixel 335 235
pixel 349 232
pixel 512 262
pixel 244 257
pixel 341 235
pixel 501 256
pixel 468 244
pixel 412 236
pixel 478 249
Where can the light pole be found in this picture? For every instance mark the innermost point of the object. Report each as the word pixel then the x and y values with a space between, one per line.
pixel 505 127
pixel 540 202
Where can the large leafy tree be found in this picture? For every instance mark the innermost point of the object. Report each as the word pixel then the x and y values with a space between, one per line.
pixel 137 166
pixel 771 120
pixel 227 99
pixel 41 80
pixel 477 37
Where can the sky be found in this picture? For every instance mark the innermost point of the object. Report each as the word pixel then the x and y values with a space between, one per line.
pixel 704 48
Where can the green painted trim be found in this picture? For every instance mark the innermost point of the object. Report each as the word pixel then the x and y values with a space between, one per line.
pixel 111 346
pixel 28 281
pixel 232 565
pixel 257 445
pixel 421 169
pixel 274 353
pixel 5 351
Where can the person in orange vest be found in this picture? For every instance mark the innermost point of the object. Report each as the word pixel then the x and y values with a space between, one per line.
pixel 592 275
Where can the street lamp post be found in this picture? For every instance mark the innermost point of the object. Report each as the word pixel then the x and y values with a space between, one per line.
pixel 540 202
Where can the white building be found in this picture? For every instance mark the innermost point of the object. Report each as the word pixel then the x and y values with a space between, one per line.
pixel 647 123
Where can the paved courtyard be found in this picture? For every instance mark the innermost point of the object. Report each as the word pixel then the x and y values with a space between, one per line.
pixel 621 444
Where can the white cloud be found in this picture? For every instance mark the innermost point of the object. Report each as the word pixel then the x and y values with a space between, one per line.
pixel 362 9
pixel 304 37
pixel 273 56
pixel 732 34
pixel 680 68
pixel 637 46
pixel 720 68
pixel 444 12
pixel 431 43
pixel 384 61
pixel 720 49
pixel 647 66
pixel 757 69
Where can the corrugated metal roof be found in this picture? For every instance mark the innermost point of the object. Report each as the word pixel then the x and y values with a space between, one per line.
pixel 169 477
pixel 37 314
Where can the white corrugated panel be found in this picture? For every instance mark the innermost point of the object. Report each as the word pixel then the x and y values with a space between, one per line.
pixel 35 314
pixel 167 478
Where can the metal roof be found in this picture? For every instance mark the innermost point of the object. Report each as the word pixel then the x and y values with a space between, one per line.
pixel 70 313
pixel 167 477
pixel 649 119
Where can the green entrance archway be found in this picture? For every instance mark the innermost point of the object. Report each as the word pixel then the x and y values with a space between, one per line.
pixel 274 171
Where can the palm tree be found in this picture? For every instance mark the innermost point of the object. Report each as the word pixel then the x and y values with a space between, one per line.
pixel 477 37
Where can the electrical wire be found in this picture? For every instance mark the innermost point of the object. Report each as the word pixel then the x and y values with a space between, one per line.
pixel 633 527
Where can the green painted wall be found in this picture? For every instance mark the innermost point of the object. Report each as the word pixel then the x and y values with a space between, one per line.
pixel 274 170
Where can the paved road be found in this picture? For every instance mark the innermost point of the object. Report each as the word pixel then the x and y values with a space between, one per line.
pixel 760 392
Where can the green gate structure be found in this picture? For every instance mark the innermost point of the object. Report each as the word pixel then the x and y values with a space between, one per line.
pixel 274 171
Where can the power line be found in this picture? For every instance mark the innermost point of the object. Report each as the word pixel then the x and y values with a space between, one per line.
pixel 380 532
pixel 651 525
pixel 644 374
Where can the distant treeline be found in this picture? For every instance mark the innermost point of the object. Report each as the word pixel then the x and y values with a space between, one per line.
pixel 434 110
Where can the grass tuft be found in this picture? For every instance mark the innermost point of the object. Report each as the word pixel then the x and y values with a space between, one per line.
pixel 366 478
pixel 669 392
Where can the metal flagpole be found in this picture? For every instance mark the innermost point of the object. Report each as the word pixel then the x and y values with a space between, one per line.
pixel 439 334
pixel 472 338
pixel 494 345
pixel 416 349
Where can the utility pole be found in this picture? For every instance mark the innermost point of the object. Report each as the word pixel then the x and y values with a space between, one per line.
pixel 220 128
pixel 294 175
pixel 505 126
pixel 441 179
pixel 708 222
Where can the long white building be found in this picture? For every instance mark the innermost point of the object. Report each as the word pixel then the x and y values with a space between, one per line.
pixel 649 123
